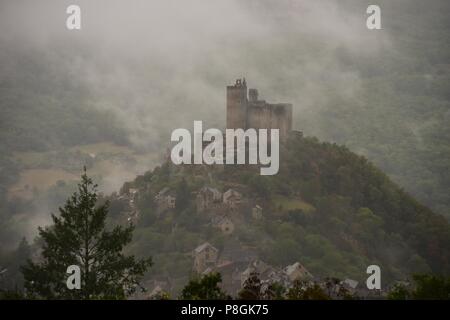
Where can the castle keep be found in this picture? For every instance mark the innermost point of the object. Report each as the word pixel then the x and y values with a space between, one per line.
pixel 247 111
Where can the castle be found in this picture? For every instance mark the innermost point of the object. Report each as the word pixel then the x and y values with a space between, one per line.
pixel 246 112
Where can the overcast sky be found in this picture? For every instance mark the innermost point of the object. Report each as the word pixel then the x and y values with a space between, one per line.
pixel 161 64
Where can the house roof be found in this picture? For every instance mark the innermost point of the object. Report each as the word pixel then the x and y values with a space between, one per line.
pixel 214 191
pixel 207 271
pixel 261 266
pixel 231 190
pixel 231 193
pixel 234 251
pixel 351 283
pixel 217 220
pixel 224 264
pixel 203 246
pixel 163 191
pixel 295 266
pixel 258 266
pixel 157 290
pixel 166 192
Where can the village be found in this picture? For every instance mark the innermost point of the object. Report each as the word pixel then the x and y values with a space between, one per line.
pixel 225 208
pixel 235 262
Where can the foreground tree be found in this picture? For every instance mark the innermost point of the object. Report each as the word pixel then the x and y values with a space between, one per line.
pixel 204 288
pixel 79 237
pixel 424 287
pixel 305 290
pixel 11 279
pixel 251 289
pixel 255 289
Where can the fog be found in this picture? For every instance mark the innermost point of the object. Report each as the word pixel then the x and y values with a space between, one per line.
pixel 161 64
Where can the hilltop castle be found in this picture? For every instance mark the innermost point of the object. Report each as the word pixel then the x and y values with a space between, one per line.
pixel 249 112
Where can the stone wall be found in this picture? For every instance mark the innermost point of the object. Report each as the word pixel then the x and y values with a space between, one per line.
pixel 245 113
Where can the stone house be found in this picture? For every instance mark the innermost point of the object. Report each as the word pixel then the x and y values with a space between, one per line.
pixel 232 198
pixel 241 256
pixel 133 192
pixel 257 212
pixel 207 197
pixel 166 199
pixel 263 269
pixel 205 256
pixel 297 271
pixel 224 224
pixel 350 284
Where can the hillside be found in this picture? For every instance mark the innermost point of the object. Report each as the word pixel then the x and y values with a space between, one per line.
pixel 384 96
pixel 328 208
pixel 398 115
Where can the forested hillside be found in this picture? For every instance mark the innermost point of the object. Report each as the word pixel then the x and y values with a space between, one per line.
pixel 399 113
pixel 328 208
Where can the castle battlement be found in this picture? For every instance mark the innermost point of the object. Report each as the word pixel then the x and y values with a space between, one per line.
pixel 245 110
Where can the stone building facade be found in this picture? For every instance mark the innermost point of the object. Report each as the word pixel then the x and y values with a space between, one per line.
pixel 245 110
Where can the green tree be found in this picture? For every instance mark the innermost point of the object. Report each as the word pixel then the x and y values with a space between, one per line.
pixel 11 279
pixel 399 292
pixel 204 288
pixel 275 291
pixel 183 195
pixel 303 290
pixel 79 237
pixel 11 295
pixel 431 287
pixel 251 290
pixel 425 287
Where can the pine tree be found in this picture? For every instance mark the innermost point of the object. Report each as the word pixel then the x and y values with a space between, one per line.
pixel 79 237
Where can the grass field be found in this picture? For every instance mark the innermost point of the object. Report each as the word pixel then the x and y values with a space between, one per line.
pixel 107 169
pixel 39 180
pixel 292 204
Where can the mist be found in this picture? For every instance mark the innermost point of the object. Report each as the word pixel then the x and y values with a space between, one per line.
pixel 159 65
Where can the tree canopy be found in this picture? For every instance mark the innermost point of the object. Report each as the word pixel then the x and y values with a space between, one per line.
pixel 79 237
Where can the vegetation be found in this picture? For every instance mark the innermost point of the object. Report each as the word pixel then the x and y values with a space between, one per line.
pixel 78 237
pixel 341 215
pixel 424 287
pixel 328 208
pixel 204 288
pixel 302 290
pixel 398 113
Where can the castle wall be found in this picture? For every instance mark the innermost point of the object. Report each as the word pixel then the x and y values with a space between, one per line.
pixel 262 115
pixel 282 118
pixel 259 115
pixel 253 113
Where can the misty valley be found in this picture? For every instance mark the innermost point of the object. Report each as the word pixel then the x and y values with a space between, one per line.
pixel 225 150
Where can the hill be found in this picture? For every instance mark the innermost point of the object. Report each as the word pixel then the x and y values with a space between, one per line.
pixel 328 208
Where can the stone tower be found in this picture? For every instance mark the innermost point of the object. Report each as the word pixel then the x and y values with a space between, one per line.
pixel 237 105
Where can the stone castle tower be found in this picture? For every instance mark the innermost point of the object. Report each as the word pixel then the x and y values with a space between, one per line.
pixel 249 112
